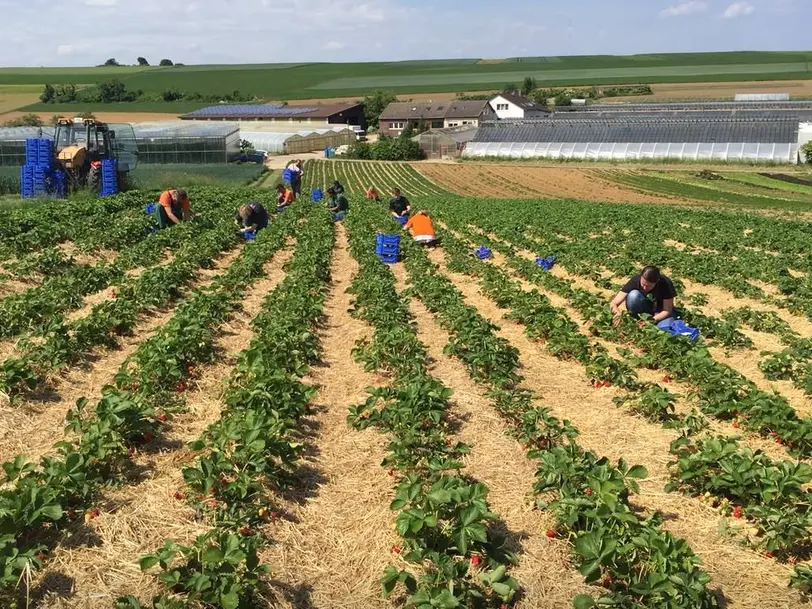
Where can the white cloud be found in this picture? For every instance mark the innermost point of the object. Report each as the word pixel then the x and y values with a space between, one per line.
pixel 691 7
pixel 63 50
pixel 738 9
pixel 101 2
pixel 334 46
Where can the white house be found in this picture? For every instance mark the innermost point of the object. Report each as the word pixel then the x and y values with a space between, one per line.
pixel 512 105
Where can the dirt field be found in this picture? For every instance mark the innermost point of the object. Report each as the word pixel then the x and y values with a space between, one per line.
pixel 719 90
pixel 107 117
pixel 531 182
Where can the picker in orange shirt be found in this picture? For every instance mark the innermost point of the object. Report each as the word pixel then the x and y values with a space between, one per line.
pixel 422 228
pixel 173 206
pixel 285 196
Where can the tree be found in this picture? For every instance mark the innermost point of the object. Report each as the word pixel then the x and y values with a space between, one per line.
pixel 26 120
pixel 170 95
pixel 509 87
pixel 806 150
pixel 47 94
pixel 142 61
pixel 528 86
pixel 111 62
pixel 375 104
pixel 166 62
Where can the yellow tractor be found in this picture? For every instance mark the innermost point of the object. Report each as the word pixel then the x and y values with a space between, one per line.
pixel 81 144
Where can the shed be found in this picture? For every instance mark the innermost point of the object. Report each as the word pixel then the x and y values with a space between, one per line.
pixel 445 143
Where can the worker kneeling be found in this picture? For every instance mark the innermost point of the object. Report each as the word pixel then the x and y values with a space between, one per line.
pixel 421 228
pixel 173 207
pixel 649 292
pixel 252 216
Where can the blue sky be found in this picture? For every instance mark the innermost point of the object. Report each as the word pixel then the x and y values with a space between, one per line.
pixel 86 32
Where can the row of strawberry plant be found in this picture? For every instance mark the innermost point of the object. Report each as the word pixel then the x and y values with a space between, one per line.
pixel 252 451
pixel 722 391
pixel 793 363
pixel 766 493
pixel 610 542
pixel 443 517
pixel 148 388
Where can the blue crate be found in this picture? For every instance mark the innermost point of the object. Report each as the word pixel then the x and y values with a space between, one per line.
pixel 384 239
pixel 483 252
pixel 402 220
pixel 545 263
pixel 388 258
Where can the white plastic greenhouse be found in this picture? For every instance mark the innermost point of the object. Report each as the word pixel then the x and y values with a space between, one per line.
pixel 300 141
pixel 783 153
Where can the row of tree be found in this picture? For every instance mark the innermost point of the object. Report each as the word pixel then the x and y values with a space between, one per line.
pixel 114 91
pixel 142 61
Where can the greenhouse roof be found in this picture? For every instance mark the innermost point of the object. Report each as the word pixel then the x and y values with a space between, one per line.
pixel 238 111
pixel 640 130
pixel 690 106
pixel 23 133
pixel 178 129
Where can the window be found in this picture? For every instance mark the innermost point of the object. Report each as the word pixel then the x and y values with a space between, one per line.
pixel 467 122
pixel 502 107
pixel 396 125
pixel 453 124
pixel 436 124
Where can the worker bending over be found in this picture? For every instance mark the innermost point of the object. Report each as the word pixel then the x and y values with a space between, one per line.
pixel 338 187
pixel 372 194
pixel 337 203
pixel 399 205
pixel 421 228
pixel 649 292
pixel 252 216
pixel 284 196
pixel 173 207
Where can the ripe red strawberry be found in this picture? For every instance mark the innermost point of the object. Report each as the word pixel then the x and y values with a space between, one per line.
pixel 769 555
pixel 666 379
pixel 275 515
pixel 735 424
pixel 607 582
pixel 41 556
pixel 162 418
pixel 396 549
pixel 779 441
pixel 607 384
pixel 94 513
pixel 550 533
pixel 641 324
pixel 773 434
pixel 588 492
pixel 391 472
pixel 475 561
pixel 737 512
pixel 211 490
pixel 181 387
pixel 246 531
pixel 131 450
pixel 148 437
pixel 180 496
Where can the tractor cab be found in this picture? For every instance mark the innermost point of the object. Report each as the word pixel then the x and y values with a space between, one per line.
pixel 81 144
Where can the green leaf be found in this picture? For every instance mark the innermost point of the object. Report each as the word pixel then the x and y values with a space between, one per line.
pixel 638 471
pixel 53 511
pixel 230 600
pixel 212 555
pixel 583 601
pixel 147 562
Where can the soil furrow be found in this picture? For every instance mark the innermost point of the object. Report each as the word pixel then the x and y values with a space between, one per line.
pixel 335 542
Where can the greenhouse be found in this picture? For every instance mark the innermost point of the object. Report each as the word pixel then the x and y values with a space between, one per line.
pixel 445 143
pixel 158 143
pixel 300 141
pixel 734 140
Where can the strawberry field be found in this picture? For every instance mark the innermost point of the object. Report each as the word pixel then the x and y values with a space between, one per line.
pixel 191 420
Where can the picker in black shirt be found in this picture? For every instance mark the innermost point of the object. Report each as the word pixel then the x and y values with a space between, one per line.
pixel 399 205
pixel 252 216
pixel 649 292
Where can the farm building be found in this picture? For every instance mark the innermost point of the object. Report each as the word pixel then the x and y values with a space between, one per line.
pixel 766 132
pixel 440 115
pixel 158 143
pixel 512 105
pixel 301 141
pixel 282 118
pixel 445 143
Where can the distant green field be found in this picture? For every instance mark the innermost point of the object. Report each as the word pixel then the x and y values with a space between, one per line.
pixel 292 81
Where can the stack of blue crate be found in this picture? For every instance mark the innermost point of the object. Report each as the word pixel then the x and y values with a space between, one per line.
pixel 387 248
pixel 39 176
pixel 109 185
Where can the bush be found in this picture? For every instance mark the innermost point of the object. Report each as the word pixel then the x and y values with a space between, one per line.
pixel 27 120
pixel 806 151
pixel 387 149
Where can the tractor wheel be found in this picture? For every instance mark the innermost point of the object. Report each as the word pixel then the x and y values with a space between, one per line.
pixel 94 180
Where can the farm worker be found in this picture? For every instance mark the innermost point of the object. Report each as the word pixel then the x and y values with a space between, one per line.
pixel 372 194
pixel 649 292
pixel 338 187
pixel 399 205
pixel 421 227
pixel 284 196
pixel 296 180
pixel 173 206
pixel 337 202
pixel 252 216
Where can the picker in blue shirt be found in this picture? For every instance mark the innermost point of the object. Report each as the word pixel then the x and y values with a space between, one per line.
pixel 252 216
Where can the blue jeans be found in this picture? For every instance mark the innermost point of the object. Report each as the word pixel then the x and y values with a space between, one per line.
pixel 637 304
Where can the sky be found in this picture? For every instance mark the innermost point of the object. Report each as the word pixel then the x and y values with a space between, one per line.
pixel 87 32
